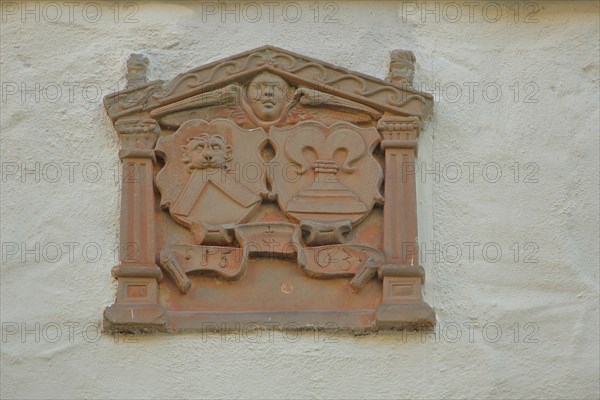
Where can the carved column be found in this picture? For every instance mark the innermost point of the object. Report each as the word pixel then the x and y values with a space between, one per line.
pixel 402 303
pixel 137 273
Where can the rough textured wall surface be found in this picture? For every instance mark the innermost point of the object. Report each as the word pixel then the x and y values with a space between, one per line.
pixel 511 259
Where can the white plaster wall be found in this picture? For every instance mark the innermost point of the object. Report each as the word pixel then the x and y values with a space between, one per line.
pixel 553 58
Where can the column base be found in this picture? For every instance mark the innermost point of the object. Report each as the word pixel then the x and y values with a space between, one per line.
pixel 410 316
pixel 134 317
pixel 402 305
pixel 136 308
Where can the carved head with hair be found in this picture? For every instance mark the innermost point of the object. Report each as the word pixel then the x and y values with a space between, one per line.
pixel 206 151
pixel 267 94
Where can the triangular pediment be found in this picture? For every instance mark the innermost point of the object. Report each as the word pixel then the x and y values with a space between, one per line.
pixel 297 69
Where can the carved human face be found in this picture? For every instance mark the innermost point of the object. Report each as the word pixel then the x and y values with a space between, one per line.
pixel 266 94
pixel 207 151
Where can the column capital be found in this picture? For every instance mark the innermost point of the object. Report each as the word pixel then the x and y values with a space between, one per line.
pixel 137 133
pixel 399 132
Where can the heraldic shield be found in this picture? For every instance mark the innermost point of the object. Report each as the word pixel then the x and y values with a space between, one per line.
pixel 210 164
pixel 326 177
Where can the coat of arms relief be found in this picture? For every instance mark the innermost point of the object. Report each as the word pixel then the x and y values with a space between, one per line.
pixel 269 188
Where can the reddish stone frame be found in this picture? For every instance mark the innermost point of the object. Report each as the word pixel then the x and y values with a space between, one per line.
pixel 380 288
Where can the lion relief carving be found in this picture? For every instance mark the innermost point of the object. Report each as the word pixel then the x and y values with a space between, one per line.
pixel 206 151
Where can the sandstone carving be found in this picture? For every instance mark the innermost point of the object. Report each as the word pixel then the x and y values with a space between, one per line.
pixel 326 177
pixel 137 66
pixel 269 188
pixel 402 67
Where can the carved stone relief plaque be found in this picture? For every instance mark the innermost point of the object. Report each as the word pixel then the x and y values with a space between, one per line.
pixel 268 188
